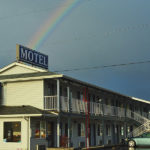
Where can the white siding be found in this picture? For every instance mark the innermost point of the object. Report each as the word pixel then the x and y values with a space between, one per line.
pixel 17 70
pixel 24 135
pixel 24 93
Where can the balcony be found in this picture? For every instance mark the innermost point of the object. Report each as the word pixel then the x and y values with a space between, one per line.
pixel 83 107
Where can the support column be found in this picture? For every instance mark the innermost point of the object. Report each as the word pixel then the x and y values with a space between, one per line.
pixel 103 124
pixel 116 133
pixel 58 95
pixel 69 99
pixel 58 109
pixel 125 130
pixel 58 131
pixel 69 132
pixel 103 132
pixel 69 117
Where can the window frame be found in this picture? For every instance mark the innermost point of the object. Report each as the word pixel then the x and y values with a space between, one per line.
pixel 99 130
pixel 40 129
pixel 81 129
pixel 15 121
pixel 108 130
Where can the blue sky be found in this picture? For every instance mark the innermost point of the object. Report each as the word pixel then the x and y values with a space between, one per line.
pixel 96 33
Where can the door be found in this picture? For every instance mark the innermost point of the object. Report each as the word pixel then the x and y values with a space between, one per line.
pixel 50 134
pixel 94 133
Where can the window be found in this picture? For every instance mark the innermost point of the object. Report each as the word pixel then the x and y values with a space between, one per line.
pixel 128 129
pixel 93 98
pixel 61 93
pixel 99 130
pixel 81 129
pixel 40 129
pixel 66 129
pixel 78 95
pixel 12 131
pixel 65 92
pixel 108 130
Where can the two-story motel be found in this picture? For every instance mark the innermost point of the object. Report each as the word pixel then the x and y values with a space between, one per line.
pixel 39 109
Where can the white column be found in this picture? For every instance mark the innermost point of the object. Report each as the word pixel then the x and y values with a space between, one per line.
pixel 58 131
pixel 58 109
pixel 69 117
pixel 58 95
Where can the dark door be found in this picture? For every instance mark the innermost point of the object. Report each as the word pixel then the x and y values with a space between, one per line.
pixel 90 135
pixel 117 134
pixel 94 133
pixel 50 134
pixel 113 133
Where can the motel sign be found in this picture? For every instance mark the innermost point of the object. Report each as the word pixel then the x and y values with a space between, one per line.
pixel 30 56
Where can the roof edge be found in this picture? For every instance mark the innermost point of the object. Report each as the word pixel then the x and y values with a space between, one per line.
pixel 22 65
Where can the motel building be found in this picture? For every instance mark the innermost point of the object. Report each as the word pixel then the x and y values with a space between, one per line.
pixel 41 109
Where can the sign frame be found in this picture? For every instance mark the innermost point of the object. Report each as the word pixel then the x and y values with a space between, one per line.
pixel 30 56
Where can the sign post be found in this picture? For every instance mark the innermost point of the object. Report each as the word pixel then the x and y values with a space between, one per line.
pixel 30 56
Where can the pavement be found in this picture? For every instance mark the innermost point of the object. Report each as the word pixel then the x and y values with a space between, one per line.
pixel 118 148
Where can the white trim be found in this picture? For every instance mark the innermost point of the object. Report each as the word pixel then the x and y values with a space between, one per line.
pixel 28 115
pixel 32 78
pixel 23 115
pixel 22 65
pixel 140 100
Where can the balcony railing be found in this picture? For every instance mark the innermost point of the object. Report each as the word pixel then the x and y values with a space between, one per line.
pixel 92 108
pixel 80 106
pixel 64 104
pixel 50 102
pixel 95 108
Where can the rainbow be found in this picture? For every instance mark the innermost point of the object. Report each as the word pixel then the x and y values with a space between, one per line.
pixel 55 19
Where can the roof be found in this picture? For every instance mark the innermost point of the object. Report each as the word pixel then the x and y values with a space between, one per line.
pixel 48 75
pixel 21 110
pixel 140 100
pixel 29 76
pixel 21 65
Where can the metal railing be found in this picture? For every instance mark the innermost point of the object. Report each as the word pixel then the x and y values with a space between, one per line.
pixel 50 102
pixel 64 103
pixel 94 108
pixel 140 130
pixel 135 116
pixel 145 127
pixel 79 106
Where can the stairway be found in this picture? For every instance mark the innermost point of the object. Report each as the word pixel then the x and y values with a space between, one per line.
pixel 143 128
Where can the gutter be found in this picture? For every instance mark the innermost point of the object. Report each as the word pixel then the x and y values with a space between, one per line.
pixel 31 78
pixel 23 115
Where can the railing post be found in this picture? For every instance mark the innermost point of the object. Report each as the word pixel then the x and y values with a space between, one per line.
pixel 69 99
pixel 58 95
pixel 44 103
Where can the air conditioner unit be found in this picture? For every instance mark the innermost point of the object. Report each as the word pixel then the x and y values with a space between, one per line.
pixel 40 147
pixel 109 141
pixel 100 142
pixel 81 144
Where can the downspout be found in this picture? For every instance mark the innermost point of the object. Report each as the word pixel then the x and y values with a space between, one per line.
pixel 29 133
